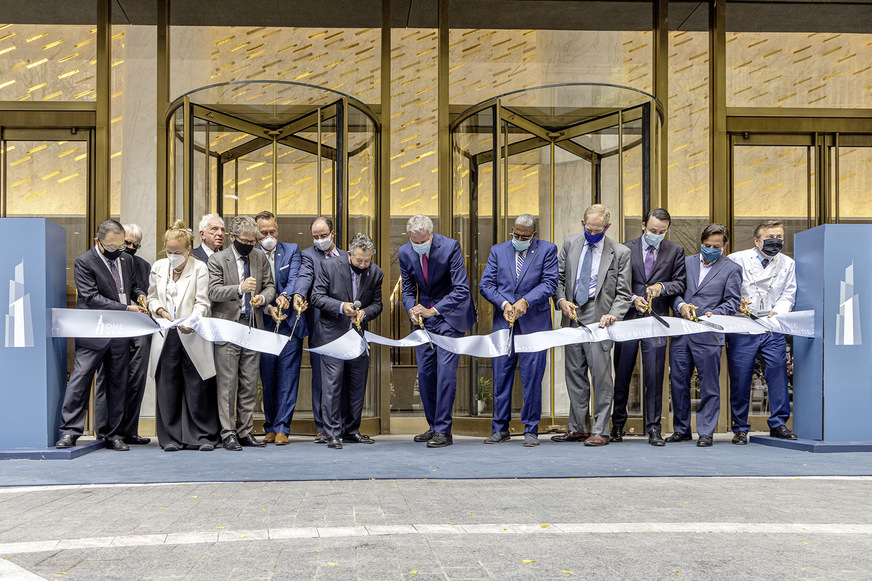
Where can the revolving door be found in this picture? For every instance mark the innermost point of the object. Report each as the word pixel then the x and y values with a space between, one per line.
pixel 297 150
pixel 551 152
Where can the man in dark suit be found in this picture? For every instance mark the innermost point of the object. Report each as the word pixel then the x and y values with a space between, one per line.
pixel 312 258
pixel 240 284
pixel 593 287
pixel 714 287
pixel 519 279
pixel 140 348
pixel 341 283
pixel 280 375
pixel 657 267
pixel 211 237
pixel 105 280
pixel 435 290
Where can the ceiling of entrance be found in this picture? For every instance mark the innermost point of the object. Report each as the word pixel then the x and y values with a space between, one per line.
pixel 742 15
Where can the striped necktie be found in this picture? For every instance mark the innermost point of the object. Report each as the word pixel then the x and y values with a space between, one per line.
pixel 519 262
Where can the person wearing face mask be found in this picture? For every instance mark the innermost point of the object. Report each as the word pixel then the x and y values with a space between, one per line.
pixel 657 267
pixel 186 413
pixel 280 375
pixel 769 285
pixel 105 280
pixel 139 349
pixel 240 285
pixel 519 279
pixel 312 258
pixel 343 283
pixel 714 287
pixel 593 288
pixel 435 292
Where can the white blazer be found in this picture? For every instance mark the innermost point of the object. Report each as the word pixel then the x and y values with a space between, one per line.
pixel 769 289
pixel 192 296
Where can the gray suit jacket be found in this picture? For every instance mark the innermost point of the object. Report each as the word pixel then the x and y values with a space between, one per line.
pixel 613 279
pixel 224 282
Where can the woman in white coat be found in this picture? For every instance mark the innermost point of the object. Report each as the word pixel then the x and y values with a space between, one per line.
pixel 181 360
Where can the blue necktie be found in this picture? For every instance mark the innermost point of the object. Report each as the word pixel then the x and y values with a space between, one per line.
pixel 246 298
pixel 582 283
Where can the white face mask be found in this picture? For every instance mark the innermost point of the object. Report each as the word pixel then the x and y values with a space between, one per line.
pixel 176 260
pixel 268 243
pixel 323 244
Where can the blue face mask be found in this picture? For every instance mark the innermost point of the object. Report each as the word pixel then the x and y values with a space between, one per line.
pixel 521 245
pixel 422 248
pixel 594 238
pixel 710 254
pixel 654 239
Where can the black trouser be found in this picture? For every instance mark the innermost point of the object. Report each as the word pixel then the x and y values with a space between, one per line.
pixel 137 374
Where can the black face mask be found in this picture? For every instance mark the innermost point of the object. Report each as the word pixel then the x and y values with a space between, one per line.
pixel 357 270
pixel 242 249
pixel 772 246
pixel 111 255
pixel 129 250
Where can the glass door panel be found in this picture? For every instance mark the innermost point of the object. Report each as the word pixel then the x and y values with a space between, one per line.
pixel 49 179
pixel 853 182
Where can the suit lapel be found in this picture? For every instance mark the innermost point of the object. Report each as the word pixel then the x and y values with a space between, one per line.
pixel 693 274
pixel 103 269
pixel 572 266
pixel 431 260
pixel 605 262
pixel 349 286
pixel 230 267
pixel 637 259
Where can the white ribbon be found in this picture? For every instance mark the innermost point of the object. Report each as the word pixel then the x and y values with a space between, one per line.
pixel 85 323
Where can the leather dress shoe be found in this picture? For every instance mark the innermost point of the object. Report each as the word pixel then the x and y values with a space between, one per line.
pixel 704 441
pixel 206 447
pixel 617 435
pixel 280 439
pixel 570 437
pixel 782 432
pixel 232 443
pixel 596 440
pixel 334 443
pixel 679 437
pixel 655 438
pixel 440 441
pixel 497 438
pixel 136 440
pixel 250 441
pixel 171 448
pixel 320 438
pixel 270 438
pixel 66 442
pixel 531 440
pixel 425 437
pixel 740 438
pixel 357 438
pixel 117 444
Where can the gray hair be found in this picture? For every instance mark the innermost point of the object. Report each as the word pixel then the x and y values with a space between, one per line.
pixel 204 221
pixel 363 242
pixel 598 210
pixel 108 227
pixel 133 231
pixel 526 221
pixel 243 224
pixel 419 223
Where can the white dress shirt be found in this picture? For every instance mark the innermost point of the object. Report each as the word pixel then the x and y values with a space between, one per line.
pixel 594 263
pixel 769 289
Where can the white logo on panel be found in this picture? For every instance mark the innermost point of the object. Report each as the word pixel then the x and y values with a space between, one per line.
pixel 19 321
pixel 848 319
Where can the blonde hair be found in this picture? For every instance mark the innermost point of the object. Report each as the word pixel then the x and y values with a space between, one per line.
pixel 598 210
pixel 179 231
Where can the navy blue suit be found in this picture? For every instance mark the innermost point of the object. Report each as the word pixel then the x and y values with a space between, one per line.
pixel 310 265
pixel 668 270
pixel 280 375
pixel 537 283
pixel 446 288
pixel 720 293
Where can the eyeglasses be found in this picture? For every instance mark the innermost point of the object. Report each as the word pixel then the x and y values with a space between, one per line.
pixel 108 248
pixel 247 242
pixel 321 236
pixel 135 246
pixel 520 238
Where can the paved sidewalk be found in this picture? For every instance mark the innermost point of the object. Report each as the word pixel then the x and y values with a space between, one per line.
pixel 692 528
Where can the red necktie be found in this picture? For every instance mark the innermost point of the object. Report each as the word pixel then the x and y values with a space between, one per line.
pixel 424 267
